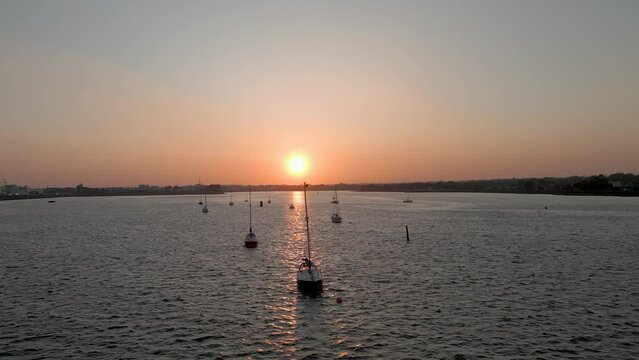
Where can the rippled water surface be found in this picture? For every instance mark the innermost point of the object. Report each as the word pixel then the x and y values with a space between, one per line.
pixel 484 276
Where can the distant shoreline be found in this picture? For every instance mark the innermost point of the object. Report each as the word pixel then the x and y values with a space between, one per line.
pixel 564 193
pixel 55 196
pixel 568 193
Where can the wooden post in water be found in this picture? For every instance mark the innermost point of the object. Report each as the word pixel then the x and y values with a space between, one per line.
pixel 407 236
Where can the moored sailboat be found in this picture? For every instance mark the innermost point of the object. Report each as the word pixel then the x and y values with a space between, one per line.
pixel 205 209
pixel 309 277
pixel 336 218
pixel 250 241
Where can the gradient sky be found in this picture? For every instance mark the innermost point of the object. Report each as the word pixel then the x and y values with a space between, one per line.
pixel 163 92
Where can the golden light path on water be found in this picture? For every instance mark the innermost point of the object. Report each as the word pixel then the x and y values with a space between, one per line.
pixel 285 331
pixel 293 322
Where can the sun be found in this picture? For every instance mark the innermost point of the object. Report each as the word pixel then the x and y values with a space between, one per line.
pixel 297 165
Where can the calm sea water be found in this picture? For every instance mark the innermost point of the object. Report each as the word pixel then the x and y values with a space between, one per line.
pixel 484 276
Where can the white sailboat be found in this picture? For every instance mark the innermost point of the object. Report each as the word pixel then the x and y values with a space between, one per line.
pixel 269 197
pixel 335 201
pixel 250 241
pixel 336 218
pixel 205 209
pixel 309 277
pixel 408 199
pixel 231 202
pixel 291 206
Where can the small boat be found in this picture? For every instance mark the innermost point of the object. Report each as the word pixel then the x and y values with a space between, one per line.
pixel 408 199
pixel 199 184
pixel 309 277
pixel 231 202
pixel 51 201
pixel 336 218
pixel 250 241
pixel 269 197
pixel 205 209
pixel 292 206
pixel 335 201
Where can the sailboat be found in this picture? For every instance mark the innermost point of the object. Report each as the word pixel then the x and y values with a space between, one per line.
pixel 200 202
pixel 205 209
pixel 335 201
pixel 309 277
pixel 199 185
pixel 292 206
pixel 408 199
pixel 250 241
pixel 231 202
pixel 269 197
pixel 336 218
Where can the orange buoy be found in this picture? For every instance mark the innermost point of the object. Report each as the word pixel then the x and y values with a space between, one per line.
pixel 339 300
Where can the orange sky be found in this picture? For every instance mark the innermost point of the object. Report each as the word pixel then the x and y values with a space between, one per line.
pixel 379 92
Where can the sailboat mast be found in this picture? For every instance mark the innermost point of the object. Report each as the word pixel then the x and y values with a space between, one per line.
pixel 308 233
pixel 250 211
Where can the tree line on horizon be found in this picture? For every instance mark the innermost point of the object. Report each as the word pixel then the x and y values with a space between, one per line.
pixel 613 183
pixel 617 183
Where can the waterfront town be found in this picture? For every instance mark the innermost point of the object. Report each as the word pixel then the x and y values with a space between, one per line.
pixel 617 184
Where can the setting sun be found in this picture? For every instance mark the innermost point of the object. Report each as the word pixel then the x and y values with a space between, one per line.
pixel 297 165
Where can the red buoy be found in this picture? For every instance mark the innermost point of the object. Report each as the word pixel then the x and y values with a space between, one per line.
pixel 339 300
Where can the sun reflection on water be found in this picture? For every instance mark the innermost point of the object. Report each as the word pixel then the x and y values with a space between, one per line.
pixel 282 322
pixel 298 197
pixel 294 321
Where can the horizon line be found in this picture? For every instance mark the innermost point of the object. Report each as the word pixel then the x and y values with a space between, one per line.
pixel 323 183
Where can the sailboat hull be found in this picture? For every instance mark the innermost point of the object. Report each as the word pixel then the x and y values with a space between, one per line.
pixel 309 282
pixel 250 244
pixel 310 288
pixel 250 241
